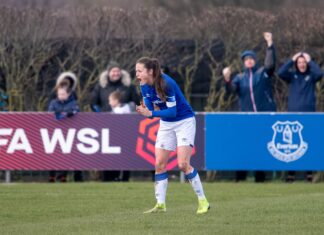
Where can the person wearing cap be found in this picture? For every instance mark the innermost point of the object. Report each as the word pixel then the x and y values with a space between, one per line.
pixel 112 80
pixel 253 87
pixel 301 73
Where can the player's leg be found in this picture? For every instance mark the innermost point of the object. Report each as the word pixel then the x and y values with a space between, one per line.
pixel 165 144
pixel 161 174
pixel 185 132
pixel 191 174
pixel 184 154
pixel 185 137
pixel 161 180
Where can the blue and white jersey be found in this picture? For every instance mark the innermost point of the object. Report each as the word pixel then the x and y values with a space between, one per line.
pixel 175 108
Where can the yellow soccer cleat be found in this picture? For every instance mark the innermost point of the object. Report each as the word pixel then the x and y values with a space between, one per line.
pixel 157 208
pixel 203 206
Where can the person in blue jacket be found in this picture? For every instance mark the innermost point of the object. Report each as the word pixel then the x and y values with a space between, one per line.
pixel 164 99
pixel 302 74
pixel 254 88
pixel 65 105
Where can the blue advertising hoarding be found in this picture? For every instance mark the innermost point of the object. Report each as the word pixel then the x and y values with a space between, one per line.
pixel 264 141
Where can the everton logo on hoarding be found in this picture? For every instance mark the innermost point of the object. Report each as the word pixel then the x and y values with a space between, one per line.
pixel 287 143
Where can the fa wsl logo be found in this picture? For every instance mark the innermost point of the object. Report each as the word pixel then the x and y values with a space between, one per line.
pixel 287 143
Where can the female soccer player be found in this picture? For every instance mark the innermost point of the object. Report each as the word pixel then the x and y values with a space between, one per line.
pixel 164 99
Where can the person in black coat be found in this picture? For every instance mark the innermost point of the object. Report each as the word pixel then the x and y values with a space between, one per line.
pixel 112 80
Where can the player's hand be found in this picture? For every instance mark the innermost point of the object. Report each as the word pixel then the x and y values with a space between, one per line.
pixel 227 74
pixel 156 107
pixel 142 104
pixel 143 111
pixel 268 37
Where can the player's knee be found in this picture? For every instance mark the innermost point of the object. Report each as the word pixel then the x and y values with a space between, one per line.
pixel 183 166
pixel 160 166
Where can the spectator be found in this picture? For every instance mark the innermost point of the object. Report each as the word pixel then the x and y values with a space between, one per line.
pixel 253 88
pixel 113 79
pixel 3 100
pixel 3 96
pixel 64 106
pixel 302 74
pixel 115 102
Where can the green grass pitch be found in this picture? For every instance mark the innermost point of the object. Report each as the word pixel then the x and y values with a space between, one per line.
pixel 117 208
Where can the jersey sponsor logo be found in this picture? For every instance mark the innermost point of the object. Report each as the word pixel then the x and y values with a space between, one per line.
pixel 287 143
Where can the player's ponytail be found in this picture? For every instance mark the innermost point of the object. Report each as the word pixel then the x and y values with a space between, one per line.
pixel 158 80
pixel 154 64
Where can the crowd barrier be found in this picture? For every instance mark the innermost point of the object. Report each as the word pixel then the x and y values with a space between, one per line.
pixel 87 141
pixel 104 141
pixel 265 141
